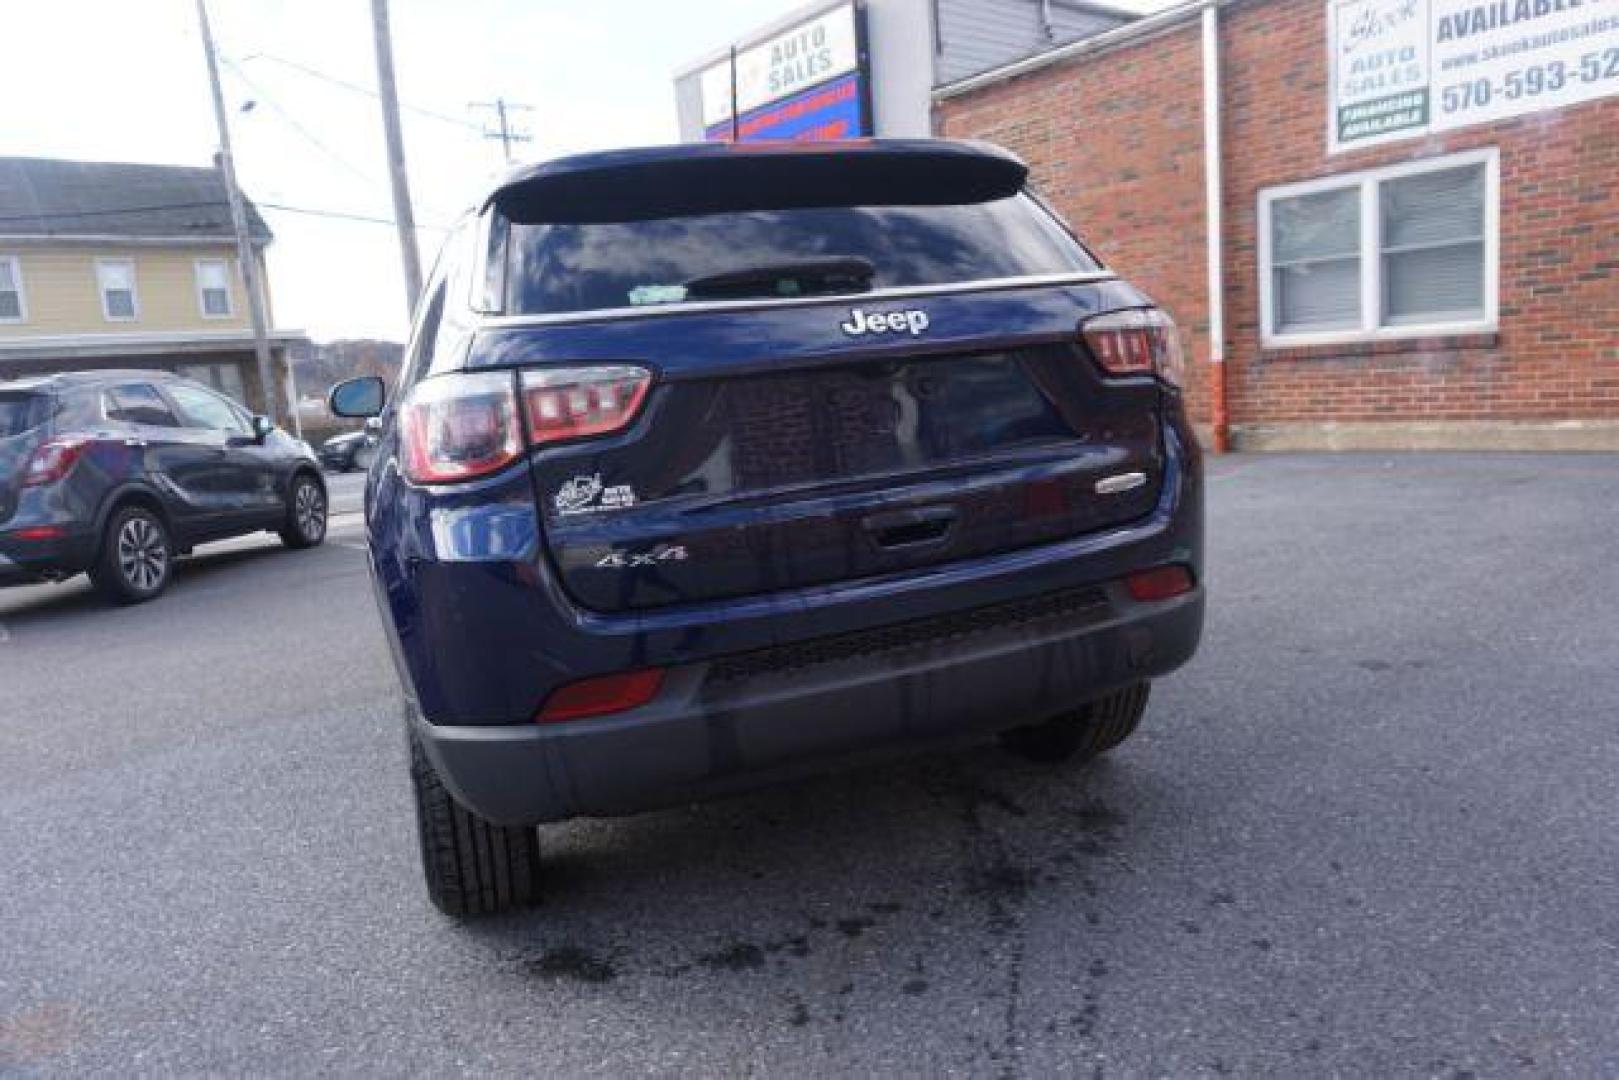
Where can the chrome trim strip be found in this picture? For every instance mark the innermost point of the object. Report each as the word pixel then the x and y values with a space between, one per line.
pixel 500 322
pixel 1113 485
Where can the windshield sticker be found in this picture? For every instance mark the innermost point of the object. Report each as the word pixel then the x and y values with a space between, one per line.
pixel 587 495
pixel 642 295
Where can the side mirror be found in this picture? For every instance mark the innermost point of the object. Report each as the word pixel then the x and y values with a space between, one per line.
pixel 357 399
pixel 262 426
pixel 373 426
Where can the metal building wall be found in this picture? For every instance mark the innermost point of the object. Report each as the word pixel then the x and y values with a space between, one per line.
pixel 977 35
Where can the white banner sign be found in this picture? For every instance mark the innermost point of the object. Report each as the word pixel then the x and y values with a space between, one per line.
pixel 808 54
pixel 1401 68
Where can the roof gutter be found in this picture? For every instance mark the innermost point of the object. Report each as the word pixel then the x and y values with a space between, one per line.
pixel 1141 30
pixel 125 240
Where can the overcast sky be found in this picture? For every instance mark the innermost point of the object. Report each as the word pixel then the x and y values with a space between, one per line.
pixel 124 80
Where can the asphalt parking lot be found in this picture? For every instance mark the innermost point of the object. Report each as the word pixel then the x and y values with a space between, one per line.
pixel 1369 831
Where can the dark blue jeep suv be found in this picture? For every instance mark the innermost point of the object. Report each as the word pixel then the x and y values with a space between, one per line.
pixel 715 463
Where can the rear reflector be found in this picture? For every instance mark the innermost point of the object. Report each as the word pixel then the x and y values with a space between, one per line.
pixel 1159 583
pixel 40 532
pixel 602 696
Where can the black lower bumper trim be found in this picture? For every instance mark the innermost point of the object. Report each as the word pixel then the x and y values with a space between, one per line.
pixel 743 720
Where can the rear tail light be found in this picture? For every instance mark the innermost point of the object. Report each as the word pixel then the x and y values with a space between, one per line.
pixel 575 403
pixel 461 427
pixel 1142 341
pixel 1159 583
pixel 52 461
pixel 458 427
pixel 602 695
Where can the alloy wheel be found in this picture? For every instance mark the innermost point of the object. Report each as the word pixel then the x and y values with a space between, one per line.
pixel 143 554
pixel 309 511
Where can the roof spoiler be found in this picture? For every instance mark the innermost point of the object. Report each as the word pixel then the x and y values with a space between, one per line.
pixel 710 178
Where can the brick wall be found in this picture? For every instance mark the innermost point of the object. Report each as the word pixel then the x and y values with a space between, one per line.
pixel 1117 149
pixel 1116 138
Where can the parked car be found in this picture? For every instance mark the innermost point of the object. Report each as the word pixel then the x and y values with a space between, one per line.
pixel 352 451
pixel 115 473
pixel 715 464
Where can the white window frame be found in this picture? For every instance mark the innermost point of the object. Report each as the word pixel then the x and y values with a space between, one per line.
pixel 22 292
pixel 230 291
pixel 1371 254
pixel 134 290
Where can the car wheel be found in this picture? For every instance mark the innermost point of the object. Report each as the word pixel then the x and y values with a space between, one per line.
pixel 306 513
pixel 472 866
pixel 1094 728
pixel 136 557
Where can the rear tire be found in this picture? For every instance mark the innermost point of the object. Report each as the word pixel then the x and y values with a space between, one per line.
pixel 472 866
pixel 136 558
pixel 305 525
pixel 1092 729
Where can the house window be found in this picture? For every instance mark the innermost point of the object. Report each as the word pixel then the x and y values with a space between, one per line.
pixel 213 288
pixel 1401 251
pixel 11 301
pixel 226 378
pixel 117 280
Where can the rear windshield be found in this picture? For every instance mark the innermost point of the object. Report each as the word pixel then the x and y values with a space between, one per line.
pixel 20 413
pixel 570 267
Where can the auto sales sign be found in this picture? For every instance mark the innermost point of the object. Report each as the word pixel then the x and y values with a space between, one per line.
pixel 806 82
pixel 1401 68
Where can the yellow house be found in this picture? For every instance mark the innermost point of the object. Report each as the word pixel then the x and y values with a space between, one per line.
pixel 106 265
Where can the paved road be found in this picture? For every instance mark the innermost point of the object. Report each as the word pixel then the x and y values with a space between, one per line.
pixel 1370 830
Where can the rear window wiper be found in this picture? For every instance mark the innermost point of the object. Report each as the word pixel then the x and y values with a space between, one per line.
pixel 800 277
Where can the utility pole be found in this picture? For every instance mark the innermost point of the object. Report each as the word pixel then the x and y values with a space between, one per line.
pixel 238 216
pixel 505 132
pixel 404 217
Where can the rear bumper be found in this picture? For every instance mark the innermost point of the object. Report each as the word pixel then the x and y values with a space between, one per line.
pixel 29 562
pixel 12 574
pixel 738 721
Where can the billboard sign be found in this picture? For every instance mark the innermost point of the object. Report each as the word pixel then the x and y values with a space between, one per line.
pixel 807 82
pixel 1402 68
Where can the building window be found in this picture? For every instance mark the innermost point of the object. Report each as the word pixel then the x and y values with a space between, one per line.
pixel 12 308
pixel 1401 251
pixel 213 288
pixel 117 280
pixel 226 378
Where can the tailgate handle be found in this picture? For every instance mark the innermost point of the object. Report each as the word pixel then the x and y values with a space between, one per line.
pixel 902 529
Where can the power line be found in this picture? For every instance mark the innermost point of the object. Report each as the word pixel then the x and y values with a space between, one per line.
pixel 341 215
pixel 359 88
pixel 308 135
pixel 344 215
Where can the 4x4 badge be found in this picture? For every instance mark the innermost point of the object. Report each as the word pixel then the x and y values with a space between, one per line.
pixel 910 321
pixel 624 560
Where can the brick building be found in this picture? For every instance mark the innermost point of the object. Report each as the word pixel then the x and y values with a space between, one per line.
pixel 1389 269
